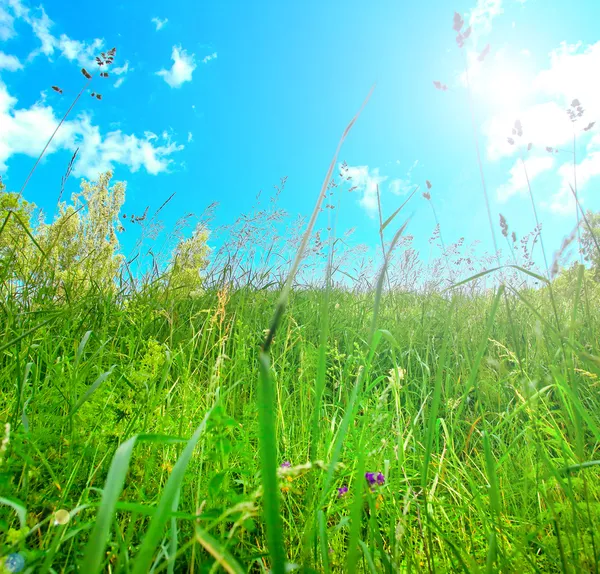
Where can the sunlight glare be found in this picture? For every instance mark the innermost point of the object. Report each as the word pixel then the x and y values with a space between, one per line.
pixel 503 87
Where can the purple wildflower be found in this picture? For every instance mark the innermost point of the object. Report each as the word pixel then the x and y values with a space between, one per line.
pixel 286 464
pixel 375 479
pixel 341 491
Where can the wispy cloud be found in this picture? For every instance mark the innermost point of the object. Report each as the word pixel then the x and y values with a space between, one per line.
pixel 365 180
pixel 26 130
pixel 482 15
pixel 159 23
pixel 402 186
pixel 121 71
pixel 190 137
pixel 81 52
pixel 7 29
pixel 208 58
pixel 562 201
pixel 9 63
pixel 517 184
pixel 181 71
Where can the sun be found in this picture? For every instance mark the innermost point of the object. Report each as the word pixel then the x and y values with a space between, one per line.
pixel 503 87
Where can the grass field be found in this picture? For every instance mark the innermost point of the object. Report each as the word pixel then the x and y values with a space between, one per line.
pixel 480 412
pixel 253 423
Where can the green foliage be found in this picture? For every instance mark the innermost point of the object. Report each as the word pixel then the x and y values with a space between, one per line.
pixel 81 244
pixel 492 420
pixel 79 250
pixel 15 228
pixel 189 259
pixel 590 241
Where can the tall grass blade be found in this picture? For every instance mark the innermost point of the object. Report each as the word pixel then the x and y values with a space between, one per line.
pixel 218 552
pixel 393 216
pixel 166 503
pixel 323 543
pixel 268 466
pixel 18 507
pixel 92 389
pixel 113 486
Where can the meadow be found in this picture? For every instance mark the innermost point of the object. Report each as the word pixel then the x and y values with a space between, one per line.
pixel 283 403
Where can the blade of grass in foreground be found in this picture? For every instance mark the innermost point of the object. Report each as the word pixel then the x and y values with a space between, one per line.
pixel 113 486
pixel 374 338
pixel 356 511
pixel 482 348
pixel 391 217
pixel 218 552
pixel 283 297
pixel 268 466
pixel 494 495
pixel 155 531
pixel 323 544
pixel 437 395
pixel 266 395
pixel 18 507
pixel 492 270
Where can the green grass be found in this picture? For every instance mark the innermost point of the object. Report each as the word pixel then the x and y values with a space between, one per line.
pixel 158 418
pixel 487 443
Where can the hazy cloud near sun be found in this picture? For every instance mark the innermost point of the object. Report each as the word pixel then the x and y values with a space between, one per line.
pixel 541 108
pixel 482 15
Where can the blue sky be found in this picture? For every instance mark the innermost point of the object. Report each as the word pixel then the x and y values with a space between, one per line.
pixel 216 101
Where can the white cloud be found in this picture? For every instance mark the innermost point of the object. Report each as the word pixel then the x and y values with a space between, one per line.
pixel 9 62
pixel 402 186
pixel 544 125
pixel 6 25
pixel 365 182
pixel 562 201
pixel 480 18
pixel 399 186
pixel 517 184
pixel 98 154
pixel 208 58
pixel 159 23
pixel 181 71
pixel 83 53
pixel 190 137
pixel 571 74
pixel 26 130
pixel 41 28
pixel 121 71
